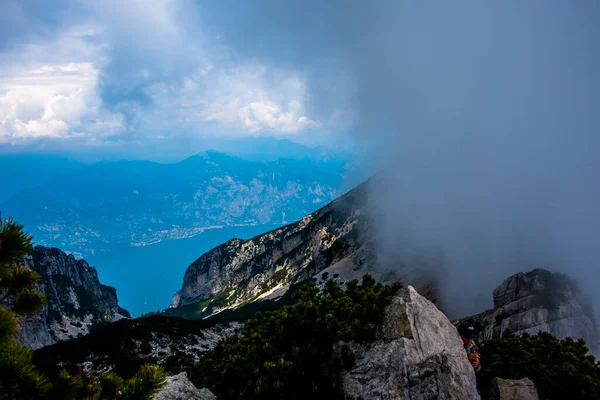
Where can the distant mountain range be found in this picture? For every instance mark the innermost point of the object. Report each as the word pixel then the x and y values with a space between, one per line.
pixel 22 171
pixel 84 209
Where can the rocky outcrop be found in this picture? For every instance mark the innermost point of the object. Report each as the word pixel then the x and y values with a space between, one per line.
pixel 540 300
pixel 178 387
pixel 418 355
pixel 508 389
pixel 335 238
pixel 75 299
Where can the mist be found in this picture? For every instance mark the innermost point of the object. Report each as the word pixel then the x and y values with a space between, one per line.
pixel 484 119
pixel 490 146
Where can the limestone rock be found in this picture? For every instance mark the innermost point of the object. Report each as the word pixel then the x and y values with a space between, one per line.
pixel 178 387
pixel 508 389
pixel 76 299
pixel 418 355
pixel 540 300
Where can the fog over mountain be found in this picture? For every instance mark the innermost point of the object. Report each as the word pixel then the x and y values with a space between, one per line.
pixel 484 117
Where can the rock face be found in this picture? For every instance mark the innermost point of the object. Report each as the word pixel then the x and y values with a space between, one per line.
pixel 540 300
pixel 419 355
pixel 508 389
pixel 178 387
pixel 75 299
pixel 335 238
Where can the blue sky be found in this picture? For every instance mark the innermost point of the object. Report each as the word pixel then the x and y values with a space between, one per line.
pixel 165 77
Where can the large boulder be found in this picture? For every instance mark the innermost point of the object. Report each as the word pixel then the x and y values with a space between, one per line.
pixel 178 387
pixel 508 389
pixel 418 355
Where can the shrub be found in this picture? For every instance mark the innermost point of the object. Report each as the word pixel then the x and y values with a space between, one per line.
pixel 560 369
pixel 19 379
pixel 287 353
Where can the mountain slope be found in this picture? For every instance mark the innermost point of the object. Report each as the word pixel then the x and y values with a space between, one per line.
pixel 22 171
pixel 337 237
pixel 127 344
pixel 141 202
pixel 76 300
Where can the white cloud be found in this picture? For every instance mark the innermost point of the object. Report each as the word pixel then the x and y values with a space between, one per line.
pixel 252 98
pixel 49 89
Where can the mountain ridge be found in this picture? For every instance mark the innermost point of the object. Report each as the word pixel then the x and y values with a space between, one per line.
pixel 142 202
pixel 335 237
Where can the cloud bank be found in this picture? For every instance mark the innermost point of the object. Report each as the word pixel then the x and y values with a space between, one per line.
pixel 114 73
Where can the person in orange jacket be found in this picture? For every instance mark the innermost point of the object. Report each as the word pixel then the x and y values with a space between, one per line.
pixel 468 333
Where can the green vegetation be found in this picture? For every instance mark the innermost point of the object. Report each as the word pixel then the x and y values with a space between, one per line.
pixel 288 353
pixel 19 378
pixel 560 369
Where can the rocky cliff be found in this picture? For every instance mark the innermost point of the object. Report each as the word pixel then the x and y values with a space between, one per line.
pixel 335 239
pixel 540 300
pixel 76 299
pixel 418 355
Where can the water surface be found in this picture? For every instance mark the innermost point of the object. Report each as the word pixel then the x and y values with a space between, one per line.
pixel 147 277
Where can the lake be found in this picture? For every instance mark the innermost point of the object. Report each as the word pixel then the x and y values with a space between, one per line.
pixel 147 277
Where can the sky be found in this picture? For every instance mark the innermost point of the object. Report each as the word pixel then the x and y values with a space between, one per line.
pixel 483 115
pixel 133 78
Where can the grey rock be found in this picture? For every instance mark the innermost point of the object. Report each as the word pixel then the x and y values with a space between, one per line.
pixel 418 355
pixel 75 299
pixel 540 300
pixel 508 389
pixel 178 387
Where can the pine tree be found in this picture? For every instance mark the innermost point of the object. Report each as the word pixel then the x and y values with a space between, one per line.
pixel 19 378
pixel 18 297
